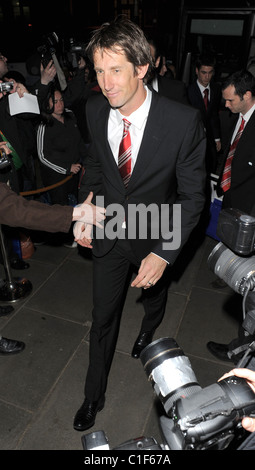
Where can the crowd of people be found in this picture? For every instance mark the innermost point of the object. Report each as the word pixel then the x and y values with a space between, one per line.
pixel 142 137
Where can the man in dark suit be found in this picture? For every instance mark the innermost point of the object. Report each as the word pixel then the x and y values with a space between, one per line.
pixel 209 107
pixel 239 189
pixel 167 169
pixel 171 88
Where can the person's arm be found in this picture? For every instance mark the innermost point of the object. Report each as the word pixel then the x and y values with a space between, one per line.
pixel 190 173
pixel 42 86
pixel 17 211
pixel 46 153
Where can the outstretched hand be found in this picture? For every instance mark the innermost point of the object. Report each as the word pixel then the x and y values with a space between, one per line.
pixel 88 213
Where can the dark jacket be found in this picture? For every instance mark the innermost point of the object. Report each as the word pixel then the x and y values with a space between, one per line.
pixel 169 170
pixel 241 194
pixel 17 211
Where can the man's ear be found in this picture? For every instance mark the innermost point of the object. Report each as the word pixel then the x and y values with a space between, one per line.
pixel 142 70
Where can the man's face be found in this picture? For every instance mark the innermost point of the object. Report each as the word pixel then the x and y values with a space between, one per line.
pixel 204 74
pixel 233 101
pixel 122 86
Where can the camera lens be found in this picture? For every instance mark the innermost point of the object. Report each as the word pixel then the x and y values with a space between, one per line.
pixel 236 271
pixel 169 370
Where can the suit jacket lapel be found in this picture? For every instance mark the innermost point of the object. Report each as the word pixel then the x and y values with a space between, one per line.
pixel 112 169
pixel 150 142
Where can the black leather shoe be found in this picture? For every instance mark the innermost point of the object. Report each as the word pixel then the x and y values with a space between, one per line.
pixel 5 310
pixel 18 263
pixel 86 415
pixel 141 342
pixel 219 350
pixel 11 346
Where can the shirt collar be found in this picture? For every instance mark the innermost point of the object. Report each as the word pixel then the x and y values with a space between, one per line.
pixel 202 88
pixel 247 115
pixel 138 117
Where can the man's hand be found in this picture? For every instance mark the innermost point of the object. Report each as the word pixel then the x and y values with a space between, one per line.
pixel 88 213
pixel 82 234
pixel 151 270
pixel 48 73
pixel 249 375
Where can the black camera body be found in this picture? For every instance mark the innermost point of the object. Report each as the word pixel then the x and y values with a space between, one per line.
pixel 48 48
pixel 198 419
pixel 195 418
pixel 4 160
pixel 237 230
pixel 209 418
pixel 74 51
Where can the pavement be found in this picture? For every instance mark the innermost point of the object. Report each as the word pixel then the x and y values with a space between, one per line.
pixel 42 387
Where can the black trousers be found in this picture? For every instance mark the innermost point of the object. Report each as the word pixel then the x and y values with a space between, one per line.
pixel 110 274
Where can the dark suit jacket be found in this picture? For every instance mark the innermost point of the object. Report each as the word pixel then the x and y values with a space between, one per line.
pixel 16 211
pixel 211 116
pixel 169 170
pixel 241 194
pixel 173 89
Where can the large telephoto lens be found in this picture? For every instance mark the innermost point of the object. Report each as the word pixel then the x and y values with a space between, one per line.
pixel 169 370
pixel 235 270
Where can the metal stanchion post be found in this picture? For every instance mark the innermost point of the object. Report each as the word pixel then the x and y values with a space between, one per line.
pixel 16 289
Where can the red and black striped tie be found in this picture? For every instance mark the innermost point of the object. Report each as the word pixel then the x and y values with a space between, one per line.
pixel 124 159
pixel 226 177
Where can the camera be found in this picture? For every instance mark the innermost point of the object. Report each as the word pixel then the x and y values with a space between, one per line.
pixel 75 50
pixel 233 261
pixel 237 230
pixel 195 418
pixel 48 48
pixel 6 87
pixel 4 160
pixel 198 419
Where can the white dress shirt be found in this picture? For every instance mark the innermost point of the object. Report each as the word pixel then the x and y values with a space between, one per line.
pixel 138 121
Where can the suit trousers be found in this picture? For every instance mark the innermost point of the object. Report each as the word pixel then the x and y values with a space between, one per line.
pixel 110 284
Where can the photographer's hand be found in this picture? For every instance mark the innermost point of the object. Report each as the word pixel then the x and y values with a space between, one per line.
pixel 249 375
pixel 17 87
pixel 4 146
pixel 48 73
